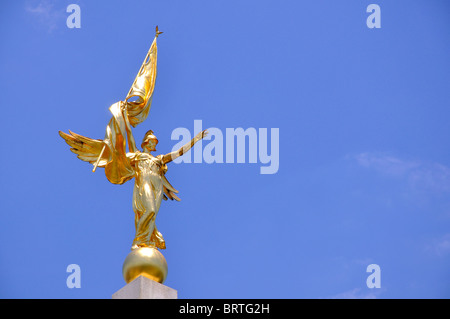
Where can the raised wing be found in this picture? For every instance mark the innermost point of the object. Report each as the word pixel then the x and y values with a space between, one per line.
pixel 87 149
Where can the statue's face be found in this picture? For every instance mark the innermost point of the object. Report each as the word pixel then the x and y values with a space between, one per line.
pixel 150 144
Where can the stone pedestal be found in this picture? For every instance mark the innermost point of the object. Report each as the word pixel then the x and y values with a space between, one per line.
pixel 145 288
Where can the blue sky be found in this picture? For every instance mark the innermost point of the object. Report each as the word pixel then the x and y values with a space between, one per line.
pixel 364 162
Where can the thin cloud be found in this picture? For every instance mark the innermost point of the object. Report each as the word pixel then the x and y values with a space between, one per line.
pixel 440 246
pixel 386 164
pixel 358 293
pixel 45 13
pixel 420 175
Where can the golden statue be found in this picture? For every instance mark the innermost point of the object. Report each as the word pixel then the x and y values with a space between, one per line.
pixel 151 185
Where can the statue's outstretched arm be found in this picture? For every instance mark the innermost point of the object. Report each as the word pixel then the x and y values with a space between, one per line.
pixel 171 156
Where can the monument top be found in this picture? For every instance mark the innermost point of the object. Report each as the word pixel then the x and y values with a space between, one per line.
pixel 145 288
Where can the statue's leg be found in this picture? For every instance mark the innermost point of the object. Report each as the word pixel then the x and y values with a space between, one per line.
pixel 144 230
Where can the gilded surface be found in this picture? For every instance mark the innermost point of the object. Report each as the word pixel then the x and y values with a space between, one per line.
pixel 148 171
pixel 147 262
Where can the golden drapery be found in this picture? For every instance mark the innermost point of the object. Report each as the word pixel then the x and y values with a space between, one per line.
pixel 142 88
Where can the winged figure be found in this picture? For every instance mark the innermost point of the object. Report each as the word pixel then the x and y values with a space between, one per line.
pixel 150 186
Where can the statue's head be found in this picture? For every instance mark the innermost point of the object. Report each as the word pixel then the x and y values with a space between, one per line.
pixel 149 141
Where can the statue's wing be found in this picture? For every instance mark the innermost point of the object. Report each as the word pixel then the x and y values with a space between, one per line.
pixel 87 149
pixel 168 194
pixel 169 190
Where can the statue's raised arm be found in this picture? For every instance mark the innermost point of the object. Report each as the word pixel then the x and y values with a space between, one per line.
pixel 175 154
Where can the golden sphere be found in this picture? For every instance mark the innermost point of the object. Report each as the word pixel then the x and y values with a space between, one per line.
pixel 147 262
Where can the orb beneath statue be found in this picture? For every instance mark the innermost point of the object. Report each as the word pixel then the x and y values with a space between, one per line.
pixel 147 262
